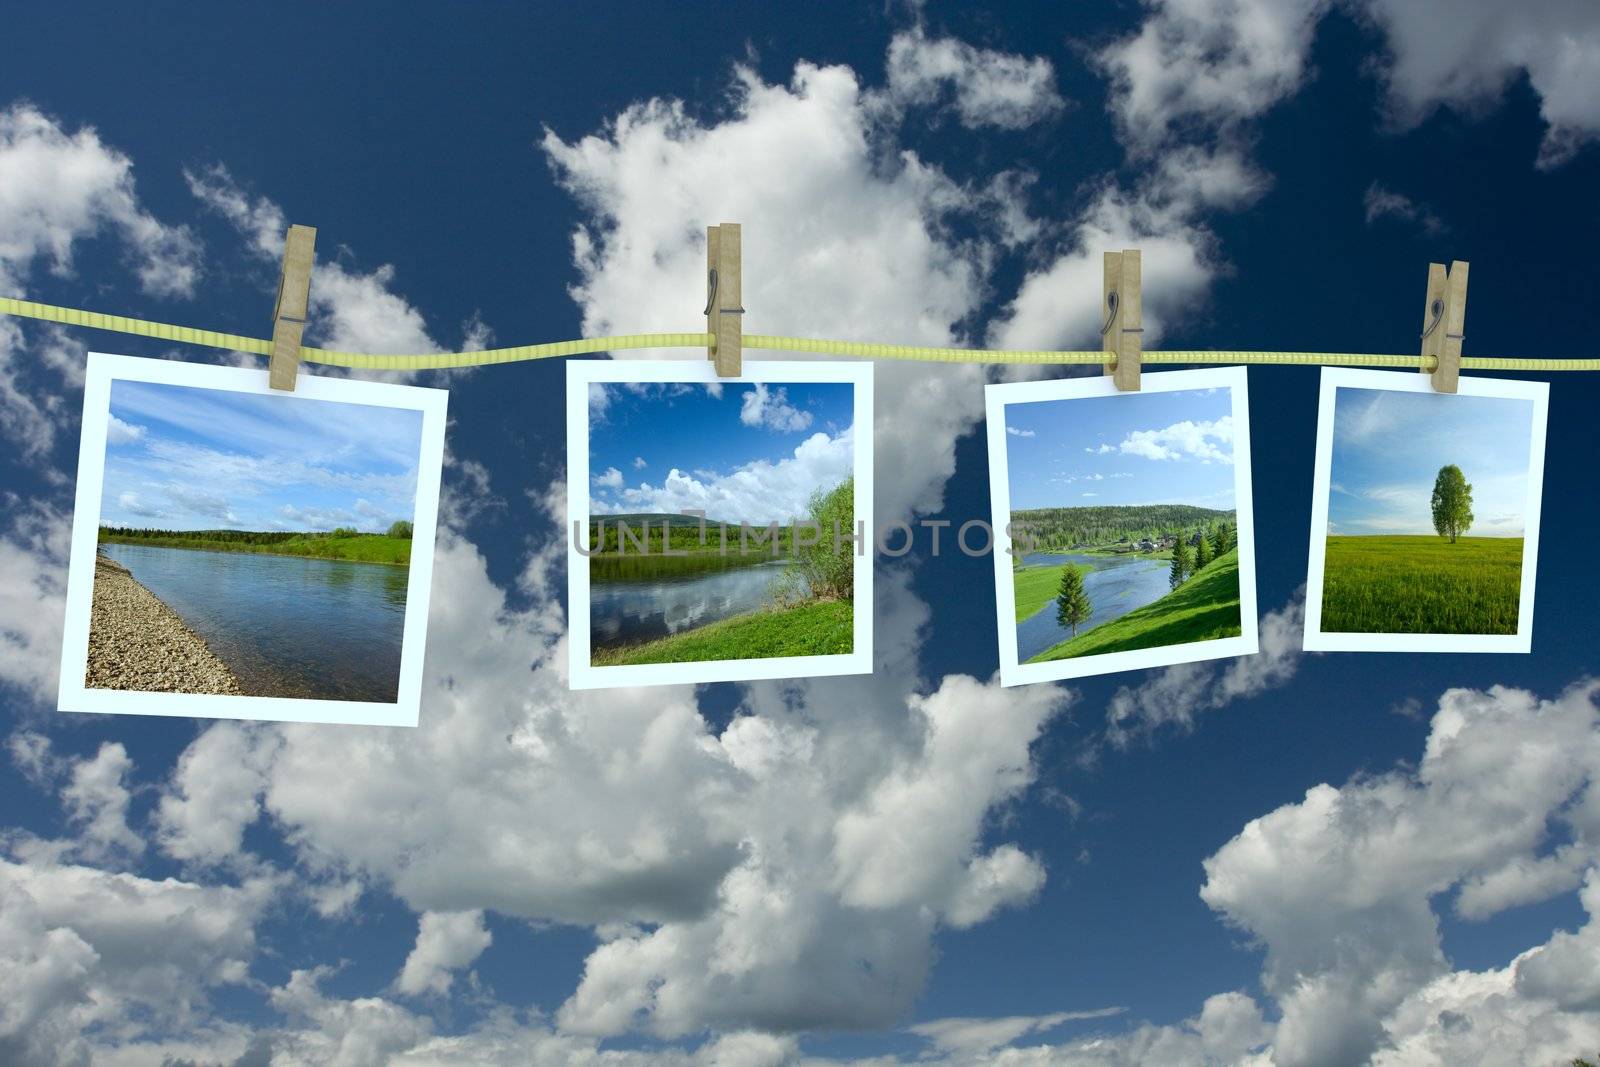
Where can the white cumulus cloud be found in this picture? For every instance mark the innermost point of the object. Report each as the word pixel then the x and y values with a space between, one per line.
pixel 446 942
pixel 1206 441
pixel 760 492
pixel 990 88
pixel 1339 887
pixel 770 409
pixel 819 173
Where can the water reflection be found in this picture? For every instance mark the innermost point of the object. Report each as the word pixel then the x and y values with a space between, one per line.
pixel 284 625
pixel 627 612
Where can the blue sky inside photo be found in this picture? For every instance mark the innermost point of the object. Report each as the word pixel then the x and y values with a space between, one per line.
pixel 188 458
pixel 1136 448
pixel 1388 448
pixel 739 452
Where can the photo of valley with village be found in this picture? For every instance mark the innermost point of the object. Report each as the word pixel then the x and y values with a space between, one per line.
pixel 1124 520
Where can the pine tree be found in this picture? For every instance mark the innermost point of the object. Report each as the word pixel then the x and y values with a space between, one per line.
pixel 1202 553
pixel 1219 540
pixel 1072 603
pixel 1180 563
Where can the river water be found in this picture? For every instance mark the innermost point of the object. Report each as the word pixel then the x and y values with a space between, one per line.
pixel 643 609
pixel 1116 585
pixel 286 626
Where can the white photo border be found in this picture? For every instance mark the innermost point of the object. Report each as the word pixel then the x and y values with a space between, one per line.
pixel 1335 378
pixel 582 674
pixel 101 371
pixel 996 399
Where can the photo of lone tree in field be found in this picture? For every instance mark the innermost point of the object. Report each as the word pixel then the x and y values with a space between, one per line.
pixel 721 522
pixel 1427 501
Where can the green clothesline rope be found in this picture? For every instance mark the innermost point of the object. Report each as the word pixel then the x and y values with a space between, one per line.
pixel 858 349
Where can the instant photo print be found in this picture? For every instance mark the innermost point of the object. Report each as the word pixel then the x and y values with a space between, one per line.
pixel 720 529
pixel 245 553
pixel 1124 535
pixel 1425 514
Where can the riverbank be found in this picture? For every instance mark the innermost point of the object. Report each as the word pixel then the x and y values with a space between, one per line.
pixel 1204 608
pixel 137 642
pixel 634 567
pixel 360 548
pixel 818 628
pixel 1107 550
pixel 1035 585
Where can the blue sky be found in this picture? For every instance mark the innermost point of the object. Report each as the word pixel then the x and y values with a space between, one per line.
pixel 1292 857
pixel 740 453
pixel 1388 448
pixel 1152 448
pixel 184 458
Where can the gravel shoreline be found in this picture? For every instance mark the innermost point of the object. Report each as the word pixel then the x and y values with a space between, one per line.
pixel 137 642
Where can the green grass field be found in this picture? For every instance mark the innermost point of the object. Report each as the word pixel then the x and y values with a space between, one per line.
pixel 360 548
pixel 1204 608
pixel 1036 586
pixel 822 628
pixel 1421 585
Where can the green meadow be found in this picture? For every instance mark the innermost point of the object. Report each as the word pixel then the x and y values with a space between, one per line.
pixel 1422 585
pixel 1034 587
pixel 819 628
pixel 1204 608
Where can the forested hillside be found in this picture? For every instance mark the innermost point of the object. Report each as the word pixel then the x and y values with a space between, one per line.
pixel 1064 528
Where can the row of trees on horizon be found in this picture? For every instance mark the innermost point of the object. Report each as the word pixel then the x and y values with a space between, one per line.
pixel 400 529
pixel 1066 528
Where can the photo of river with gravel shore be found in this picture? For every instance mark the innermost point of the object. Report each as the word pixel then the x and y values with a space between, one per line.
pixel 252 545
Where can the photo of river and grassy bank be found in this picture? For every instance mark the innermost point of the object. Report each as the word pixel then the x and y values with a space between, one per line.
pixel 726 597
pixel 285 576
pixel 760 576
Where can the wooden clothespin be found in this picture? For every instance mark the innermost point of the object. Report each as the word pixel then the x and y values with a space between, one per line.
pixel 724 293
pixel 289 313
pixel 1122 333
pixel 1443 318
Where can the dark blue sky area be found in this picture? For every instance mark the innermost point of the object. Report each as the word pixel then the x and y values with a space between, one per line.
pixel 583 828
